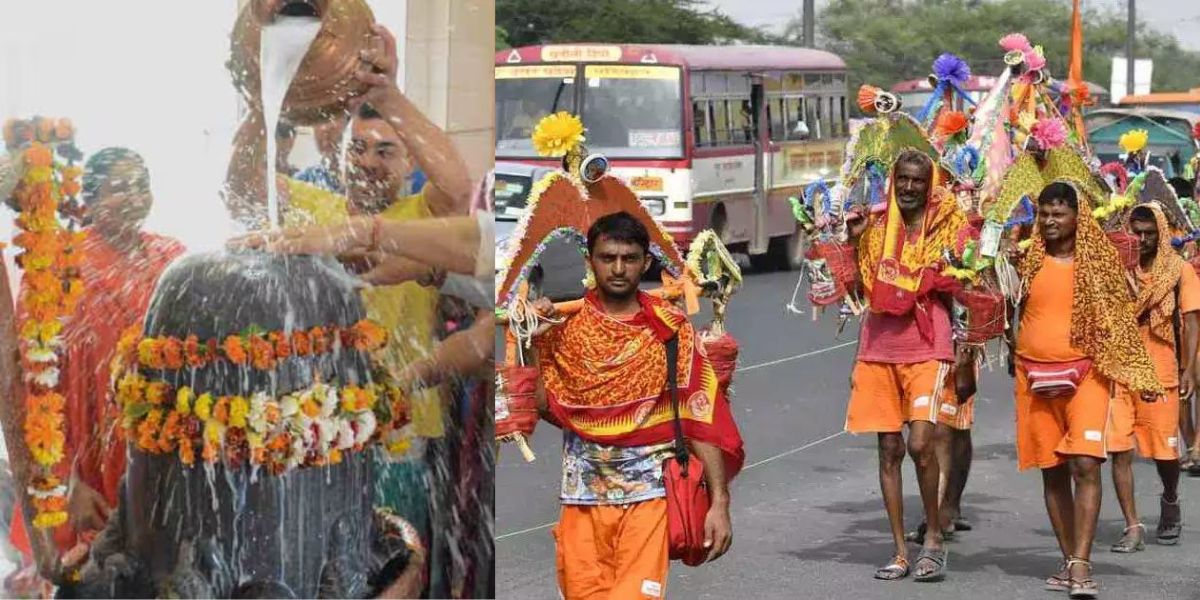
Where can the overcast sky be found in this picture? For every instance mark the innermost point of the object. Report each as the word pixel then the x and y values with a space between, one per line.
pixel 1179 17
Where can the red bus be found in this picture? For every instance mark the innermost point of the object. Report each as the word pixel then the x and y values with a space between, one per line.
pixel 708 136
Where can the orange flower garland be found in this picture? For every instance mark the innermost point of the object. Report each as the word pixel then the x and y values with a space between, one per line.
pixel 259 350
pixel 51 288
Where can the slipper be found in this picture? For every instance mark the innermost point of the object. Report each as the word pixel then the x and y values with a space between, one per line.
pixel 1126 544
pixel 1054 583
pixel 897 569
pixel 917 536
pixel 961 524
pixel 939 558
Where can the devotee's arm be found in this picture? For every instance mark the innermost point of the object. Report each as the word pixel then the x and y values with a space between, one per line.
pixel 450 190
pixel 718 530
pixel 12 416
pixel 462 354
pixel 1191 340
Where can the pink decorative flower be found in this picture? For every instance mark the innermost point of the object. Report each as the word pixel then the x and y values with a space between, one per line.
pixel 1050 133
pixel 1015 41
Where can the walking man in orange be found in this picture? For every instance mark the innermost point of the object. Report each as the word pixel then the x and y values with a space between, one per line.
pixel 906 353
pixel 1168 298
pixel 1067 365
pixel 604 381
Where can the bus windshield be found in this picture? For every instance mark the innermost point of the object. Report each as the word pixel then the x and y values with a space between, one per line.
pixel 633 111
pixel 630 111
pixel 523 96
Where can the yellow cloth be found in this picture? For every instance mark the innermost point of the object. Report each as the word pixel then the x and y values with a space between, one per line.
pixel 408 311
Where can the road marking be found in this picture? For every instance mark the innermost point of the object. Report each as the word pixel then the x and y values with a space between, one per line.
pixel 761 462
pixel 793 451
pixel 797 357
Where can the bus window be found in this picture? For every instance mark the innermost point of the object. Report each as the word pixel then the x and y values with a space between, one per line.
pixel 701 128
pixel 834 122
pixel 812 116
pixel 720 121
pixel 741 129
pixel 714 83
pixel 797 124
pixel 633 111
pixel 523 96
pixel 775 119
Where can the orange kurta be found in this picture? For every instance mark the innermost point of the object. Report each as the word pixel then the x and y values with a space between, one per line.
pixel 118 288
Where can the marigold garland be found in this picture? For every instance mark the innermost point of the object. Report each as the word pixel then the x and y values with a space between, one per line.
pixel 50 289
pixel 257 349
pixel 310 427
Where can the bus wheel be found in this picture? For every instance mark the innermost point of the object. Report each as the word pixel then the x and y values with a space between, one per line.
pixel 788 252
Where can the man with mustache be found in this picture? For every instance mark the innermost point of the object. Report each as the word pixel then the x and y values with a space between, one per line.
pixel 906 353
pixel 602 376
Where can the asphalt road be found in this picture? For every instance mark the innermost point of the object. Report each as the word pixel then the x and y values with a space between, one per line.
pixel 807 513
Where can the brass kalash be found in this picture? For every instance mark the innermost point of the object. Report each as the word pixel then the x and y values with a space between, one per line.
pixel 234 525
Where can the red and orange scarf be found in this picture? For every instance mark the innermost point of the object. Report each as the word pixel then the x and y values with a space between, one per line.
pixel 901 276
pixel 605 380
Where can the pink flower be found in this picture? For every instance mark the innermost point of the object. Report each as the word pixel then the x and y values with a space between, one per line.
pixel 1015 41
pixel 1049 133
pixel 1033 60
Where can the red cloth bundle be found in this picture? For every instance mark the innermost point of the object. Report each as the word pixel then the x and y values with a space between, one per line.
pixel 842 261
pixel 985 314
pixel 722 353
pixel 516 407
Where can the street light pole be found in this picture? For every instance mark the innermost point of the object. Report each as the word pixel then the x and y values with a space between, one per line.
pixel 810 25
pixel 1130 32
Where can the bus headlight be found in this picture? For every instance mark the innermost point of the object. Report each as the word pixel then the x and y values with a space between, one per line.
pixel 657 207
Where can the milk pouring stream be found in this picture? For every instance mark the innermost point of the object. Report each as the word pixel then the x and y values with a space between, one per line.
pixel 285 42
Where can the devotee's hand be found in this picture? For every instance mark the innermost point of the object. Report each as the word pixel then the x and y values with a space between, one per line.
pixel 856 223
pixel 86 507
pixel 330 239
pixel 410 584
pixel 1187 382
pixel 546 310
pixel 718 531
pixel 379 68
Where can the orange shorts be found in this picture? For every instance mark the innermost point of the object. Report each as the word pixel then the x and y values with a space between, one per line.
pixel 613 552
pixel 955 414
pixel 1048 430
pixel 884 396
pixel 1153 425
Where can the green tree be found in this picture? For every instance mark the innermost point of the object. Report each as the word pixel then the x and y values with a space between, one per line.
pixel 501 38
pixel 532 22
pixel 887 41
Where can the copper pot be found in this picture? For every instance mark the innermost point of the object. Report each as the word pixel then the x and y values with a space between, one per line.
pixel 326 77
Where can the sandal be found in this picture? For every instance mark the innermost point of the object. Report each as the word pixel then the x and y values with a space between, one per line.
pixel 898 569
pixel 961 524
pixel 1056 583
pixel 1085 588
pixel 1127 543
pixel 1170 522
pixel 917 536
pixel 939 558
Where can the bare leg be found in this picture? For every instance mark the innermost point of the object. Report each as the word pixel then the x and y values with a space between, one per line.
pixel 1085 471
pixel 1122 473
pixel 942 448
pixel 961 451
pixel 1187 427
pixel 1168 472
pixel 1060 505
pixel 920 448
pixel 891 455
